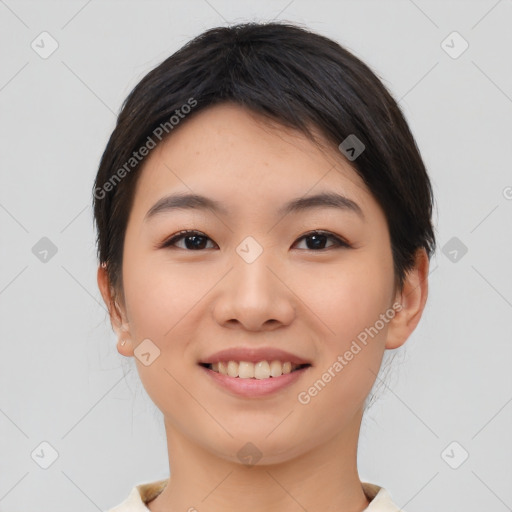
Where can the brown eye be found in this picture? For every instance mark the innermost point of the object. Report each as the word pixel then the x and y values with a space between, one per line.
pixel 316 240
pixel 196 241
pixel 193 240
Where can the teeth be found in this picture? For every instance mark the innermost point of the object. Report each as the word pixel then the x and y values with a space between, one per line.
pixel 262 370
pixel 247 370
pixel 233 369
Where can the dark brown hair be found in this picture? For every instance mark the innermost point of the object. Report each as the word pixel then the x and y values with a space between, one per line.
pixel 290 75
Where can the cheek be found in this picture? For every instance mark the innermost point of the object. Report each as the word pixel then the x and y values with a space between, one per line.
pixel 160 295
pixel 349 300
pixel 350 296
pixel 160 300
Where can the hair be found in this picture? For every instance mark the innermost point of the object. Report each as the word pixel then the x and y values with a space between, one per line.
pixel 289 75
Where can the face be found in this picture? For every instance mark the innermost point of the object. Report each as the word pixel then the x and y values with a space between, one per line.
pixel 253 275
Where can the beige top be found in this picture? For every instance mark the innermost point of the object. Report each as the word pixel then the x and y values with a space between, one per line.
pixel 379 498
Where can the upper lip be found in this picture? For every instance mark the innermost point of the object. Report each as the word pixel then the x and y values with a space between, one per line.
pixel 254 355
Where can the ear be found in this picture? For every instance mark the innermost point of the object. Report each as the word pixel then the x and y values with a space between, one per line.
pixel 410 302
pixel 118 318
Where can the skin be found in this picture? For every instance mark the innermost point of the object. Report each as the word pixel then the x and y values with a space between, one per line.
pixel 312 302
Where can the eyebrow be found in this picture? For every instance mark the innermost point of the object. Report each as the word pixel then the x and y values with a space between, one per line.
pixel 199 202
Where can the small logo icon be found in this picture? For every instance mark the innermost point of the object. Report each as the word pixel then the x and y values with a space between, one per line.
pixel 454 45
pixel 44 45
pixel 351 147
pixel 454 455
pixel 146 352
pixel 249 249
pixel 454 249
pixel 249 454
pixel 44 250
pixel 44 455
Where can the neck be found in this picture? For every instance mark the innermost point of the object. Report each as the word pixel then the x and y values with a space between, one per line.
pixel 322 479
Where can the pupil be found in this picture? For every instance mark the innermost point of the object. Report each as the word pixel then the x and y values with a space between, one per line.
pixel 197 244
pixel 318 240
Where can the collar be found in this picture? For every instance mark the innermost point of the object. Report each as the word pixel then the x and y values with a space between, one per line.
pixel 379 498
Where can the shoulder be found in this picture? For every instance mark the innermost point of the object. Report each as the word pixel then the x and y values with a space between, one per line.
pixel 379 498
pixel 140 495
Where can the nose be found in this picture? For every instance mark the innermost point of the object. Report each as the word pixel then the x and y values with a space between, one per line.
pixel 254 296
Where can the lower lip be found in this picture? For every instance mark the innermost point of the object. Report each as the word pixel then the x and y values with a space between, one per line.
pixel 250 388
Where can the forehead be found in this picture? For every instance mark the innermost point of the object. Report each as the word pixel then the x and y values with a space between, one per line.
pixel 242 159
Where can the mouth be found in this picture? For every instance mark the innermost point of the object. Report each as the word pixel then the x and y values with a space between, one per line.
pixel 254 380
pixel 260 370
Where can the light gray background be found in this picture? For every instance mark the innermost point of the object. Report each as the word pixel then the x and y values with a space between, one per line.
pixel 61 378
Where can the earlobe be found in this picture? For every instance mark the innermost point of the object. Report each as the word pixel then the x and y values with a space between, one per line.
pixel 412 299
pixel 124 347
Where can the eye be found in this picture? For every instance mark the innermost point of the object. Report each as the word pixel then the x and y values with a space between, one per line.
pixel 194 240
pixel 318 239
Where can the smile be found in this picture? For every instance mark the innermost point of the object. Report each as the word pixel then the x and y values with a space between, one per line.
pixel 249 370
pixel 250 386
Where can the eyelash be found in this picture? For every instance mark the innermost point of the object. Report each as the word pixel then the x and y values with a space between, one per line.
pixel 340 243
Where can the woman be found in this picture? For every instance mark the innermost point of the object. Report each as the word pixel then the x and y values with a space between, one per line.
pixel 264 235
